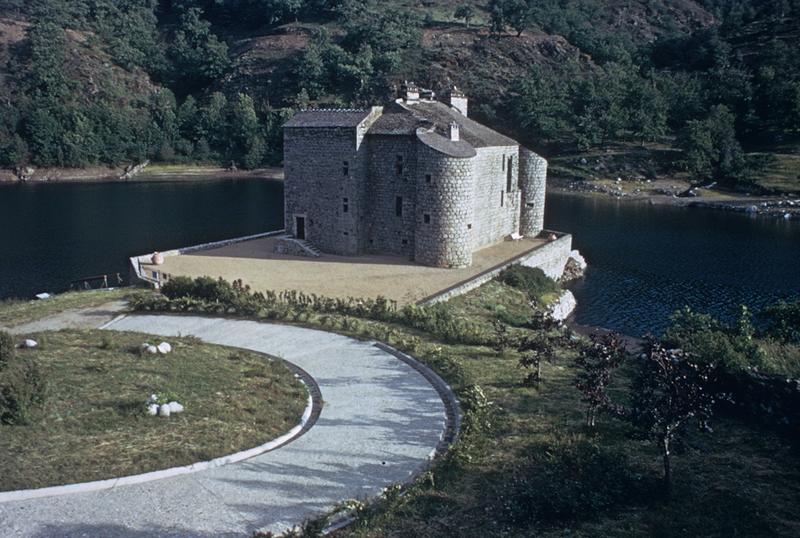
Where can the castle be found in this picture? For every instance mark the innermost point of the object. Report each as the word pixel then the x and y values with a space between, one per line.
pixel 417 178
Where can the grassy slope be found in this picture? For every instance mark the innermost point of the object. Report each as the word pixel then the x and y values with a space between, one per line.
pixel 93 425
pixel 15 312
pixel 742 480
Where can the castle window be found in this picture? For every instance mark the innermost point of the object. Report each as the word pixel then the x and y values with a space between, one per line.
pixel 345 205
pixel 426 218
pixel 345 168
pixel 427 178
pixel 405 241
pixel 503 160
pixel 399 165
pixel 398 206
pixel 469 226
pixel 502 198
pixel 509 174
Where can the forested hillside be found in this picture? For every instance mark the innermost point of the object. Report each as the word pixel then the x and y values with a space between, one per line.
pixel 86 82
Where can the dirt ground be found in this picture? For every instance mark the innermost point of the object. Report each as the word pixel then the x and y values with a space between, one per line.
pixel 336 276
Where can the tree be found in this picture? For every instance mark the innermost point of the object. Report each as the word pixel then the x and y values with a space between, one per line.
pixel 543 101
pixel 535 350
pixel 518 15
pixel 466 12
pixel 647 110
pixel 515 13
pixel 597 362
pixel 497 16
pixel 670 389
pixel 247 142
pixel 197 53
pixel 710 147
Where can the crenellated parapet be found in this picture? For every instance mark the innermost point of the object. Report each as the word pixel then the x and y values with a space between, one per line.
pixel 444 203
pixel 532 183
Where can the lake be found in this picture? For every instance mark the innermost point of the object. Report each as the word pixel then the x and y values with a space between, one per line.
pixel 645 261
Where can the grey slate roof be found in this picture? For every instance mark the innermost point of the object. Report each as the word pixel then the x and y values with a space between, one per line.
pixel 328 117
pixel 453 148
pixel 404 119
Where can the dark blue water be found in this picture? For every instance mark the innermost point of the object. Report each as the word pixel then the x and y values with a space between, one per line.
pixel 645 261
pixel 51 234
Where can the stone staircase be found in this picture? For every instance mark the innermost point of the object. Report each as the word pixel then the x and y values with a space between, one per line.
pixel 291 246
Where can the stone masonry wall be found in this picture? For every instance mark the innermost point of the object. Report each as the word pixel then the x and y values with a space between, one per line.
pixel 446 202
pixel 496 208
pixel 385 231
pixel 316 186
pixel 533 183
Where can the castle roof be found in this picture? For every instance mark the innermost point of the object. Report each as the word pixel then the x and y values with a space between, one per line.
pixel 403 119
pixel 328 117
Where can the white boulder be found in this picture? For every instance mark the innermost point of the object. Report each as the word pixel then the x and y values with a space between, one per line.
pixel 42 296
pixel 579 259
pixel 164 348
pixel 152 409
pixel 563 307
pixel 164 410
pixel 29 344
pixel 150 348
pixel 175 407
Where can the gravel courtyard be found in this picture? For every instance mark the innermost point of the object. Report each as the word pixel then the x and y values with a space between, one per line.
pixel 336 276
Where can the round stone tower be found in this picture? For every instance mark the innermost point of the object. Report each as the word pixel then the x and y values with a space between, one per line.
pixel 443 237
pixel 532 183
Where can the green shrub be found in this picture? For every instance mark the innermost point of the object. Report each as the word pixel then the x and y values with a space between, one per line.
pixel 22 387
pixel 179 286
pixel 530 280
pixel 783 321
pixel 713 342
pixel 566 481
pixel 6 349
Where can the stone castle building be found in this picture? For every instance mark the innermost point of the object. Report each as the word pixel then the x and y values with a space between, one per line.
pixel 417 178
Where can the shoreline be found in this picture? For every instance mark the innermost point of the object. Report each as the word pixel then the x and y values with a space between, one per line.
pixel 158 173
pixel 785 206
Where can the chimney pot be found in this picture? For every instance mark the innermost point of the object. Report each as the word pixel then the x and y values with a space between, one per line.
pixel 455 136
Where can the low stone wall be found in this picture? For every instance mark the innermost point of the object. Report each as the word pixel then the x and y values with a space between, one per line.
pixel 154 278
pixel 550 258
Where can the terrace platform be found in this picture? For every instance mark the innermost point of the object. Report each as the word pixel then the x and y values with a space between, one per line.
pixel 396 278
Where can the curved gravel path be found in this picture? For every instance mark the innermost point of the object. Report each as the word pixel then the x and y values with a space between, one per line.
pixel 381 422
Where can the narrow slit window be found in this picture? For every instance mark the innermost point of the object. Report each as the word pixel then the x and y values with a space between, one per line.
pixel 509 174
pixel 426 218
pixel 399 165
pixel 502 198
pixel 503 160
pixel 398 206
pixel 428 178
pixel 345 205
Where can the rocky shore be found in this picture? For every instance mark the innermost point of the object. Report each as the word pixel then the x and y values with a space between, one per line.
pixel 681 194
pixel 138 172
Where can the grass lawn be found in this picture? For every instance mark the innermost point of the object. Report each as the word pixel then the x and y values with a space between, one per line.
pixel 741 480
pixel 94 426
pixel 15 311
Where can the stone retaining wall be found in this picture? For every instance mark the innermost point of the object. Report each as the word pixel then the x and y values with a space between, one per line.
pixel 548 257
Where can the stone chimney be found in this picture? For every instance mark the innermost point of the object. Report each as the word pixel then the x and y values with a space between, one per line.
pixel 455 136
pixel 457 100
pixel 409 92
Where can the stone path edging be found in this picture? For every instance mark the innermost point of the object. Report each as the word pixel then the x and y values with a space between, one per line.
pixel 385 417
